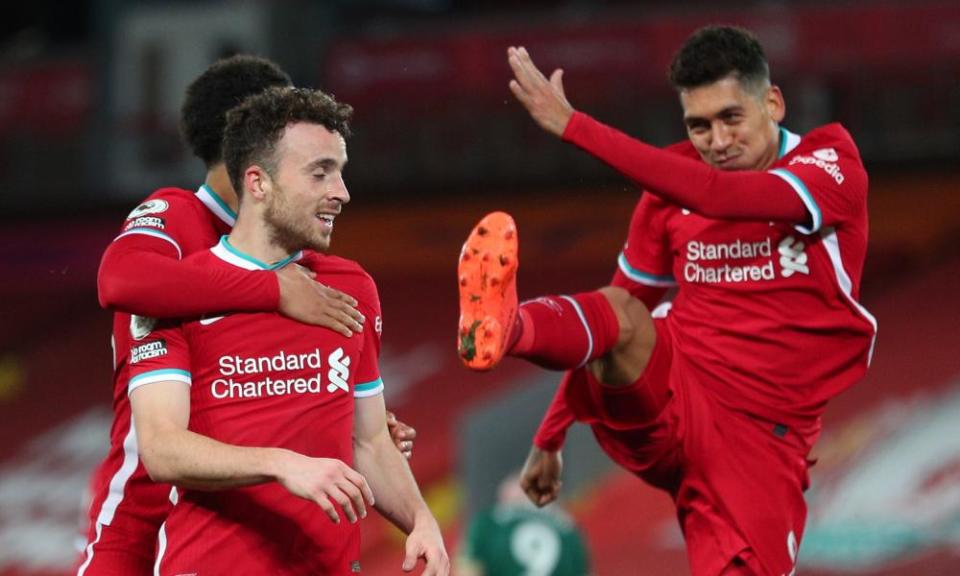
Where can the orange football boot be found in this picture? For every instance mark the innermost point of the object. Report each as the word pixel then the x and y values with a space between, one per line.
pixel 488 291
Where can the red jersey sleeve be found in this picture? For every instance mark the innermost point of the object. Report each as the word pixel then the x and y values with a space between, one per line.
pixel 645 265
pixel 368 380
pixel 827 174
pixel 158 354
pixel 553 428
pixel 142 271
pixel 714 193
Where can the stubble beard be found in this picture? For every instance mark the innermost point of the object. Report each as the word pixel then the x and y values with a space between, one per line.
pixel 291 231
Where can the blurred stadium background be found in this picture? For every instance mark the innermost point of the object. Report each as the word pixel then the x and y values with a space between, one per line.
pixel 89 95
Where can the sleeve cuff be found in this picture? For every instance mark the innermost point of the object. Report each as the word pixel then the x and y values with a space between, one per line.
pixel 816 217
pixel 167 375
pixel 574 127
pixel 368 389
pixel 640 277
pixel 272 293
pixel 550 443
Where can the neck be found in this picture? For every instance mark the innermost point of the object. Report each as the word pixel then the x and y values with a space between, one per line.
pixel 773 154
pixel 251 236
pixel 218 181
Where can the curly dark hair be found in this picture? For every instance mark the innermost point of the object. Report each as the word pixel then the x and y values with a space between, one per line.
pixel 715 52
pixel 225 84
pixel 255 127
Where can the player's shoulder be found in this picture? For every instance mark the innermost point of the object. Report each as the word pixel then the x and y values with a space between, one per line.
pixel 832 131
pixel 328 263
pixel 651 202
pixel 162 204
pixel 165 200
pixel 826 141
pixel 345 274
pixel 208 257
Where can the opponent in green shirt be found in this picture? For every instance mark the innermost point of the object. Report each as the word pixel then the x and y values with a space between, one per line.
pixel 514 538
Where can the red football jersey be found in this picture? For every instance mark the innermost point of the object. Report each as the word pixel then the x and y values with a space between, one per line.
pixel 260 379
pixel 766 313
pixel 123 498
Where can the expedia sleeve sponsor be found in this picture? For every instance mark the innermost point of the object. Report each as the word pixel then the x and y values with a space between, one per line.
pixel 148 350
pixel 823 159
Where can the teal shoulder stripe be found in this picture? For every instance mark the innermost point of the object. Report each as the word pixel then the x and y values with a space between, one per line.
pixel 368 386
pixel 640 276
pixel 805 196
pixel 155 373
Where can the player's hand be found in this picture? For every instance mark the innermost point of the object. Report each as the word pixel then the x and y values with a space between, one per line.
pixel 325 481
pixel 425 541
pixel 304 299
pixel 544 99
pixel 540 477
pixel 402 434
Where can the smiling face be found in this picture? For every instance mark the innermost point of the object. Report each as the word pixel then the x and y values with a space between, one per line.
pixel 734 126
pixel 306 189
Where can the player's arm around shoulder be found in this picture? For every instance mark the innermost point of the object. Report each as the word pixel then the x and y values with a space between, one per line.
pixel 397 496
pixel 146 233
pixel 168 214
pixel 143 271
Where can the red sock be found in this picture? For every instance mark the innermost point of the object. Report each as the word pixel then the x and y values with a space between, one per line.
pixel 562 332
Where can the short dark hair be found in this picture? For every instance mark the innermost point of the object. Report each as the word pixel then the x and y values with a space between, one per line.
pixel 255 127
pixel 225 84
pixel 715 52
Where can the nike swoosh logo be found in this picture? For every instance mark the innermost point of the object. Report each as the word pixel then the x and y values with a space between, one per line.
pixel 209 321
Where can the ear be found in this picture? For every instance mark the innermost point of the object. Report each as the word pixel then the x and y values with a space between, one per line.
pixel 257 182
pixel 775 104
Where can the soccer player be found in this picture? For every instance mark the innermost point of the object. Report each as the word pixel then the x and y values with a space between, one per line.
pixel 257 419
pixel 764 232
pixel 142 274
pixel 514 538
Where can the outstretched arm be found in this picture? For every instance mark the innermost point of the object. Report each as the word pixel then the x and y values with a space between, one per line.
pixel 744 195
pixel 714 193
pixel 397 496
pixel 544 99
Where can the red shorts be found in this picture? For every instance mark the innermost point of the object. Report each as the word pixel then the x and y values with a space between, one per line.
pixel 113 551
pixel 737 482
